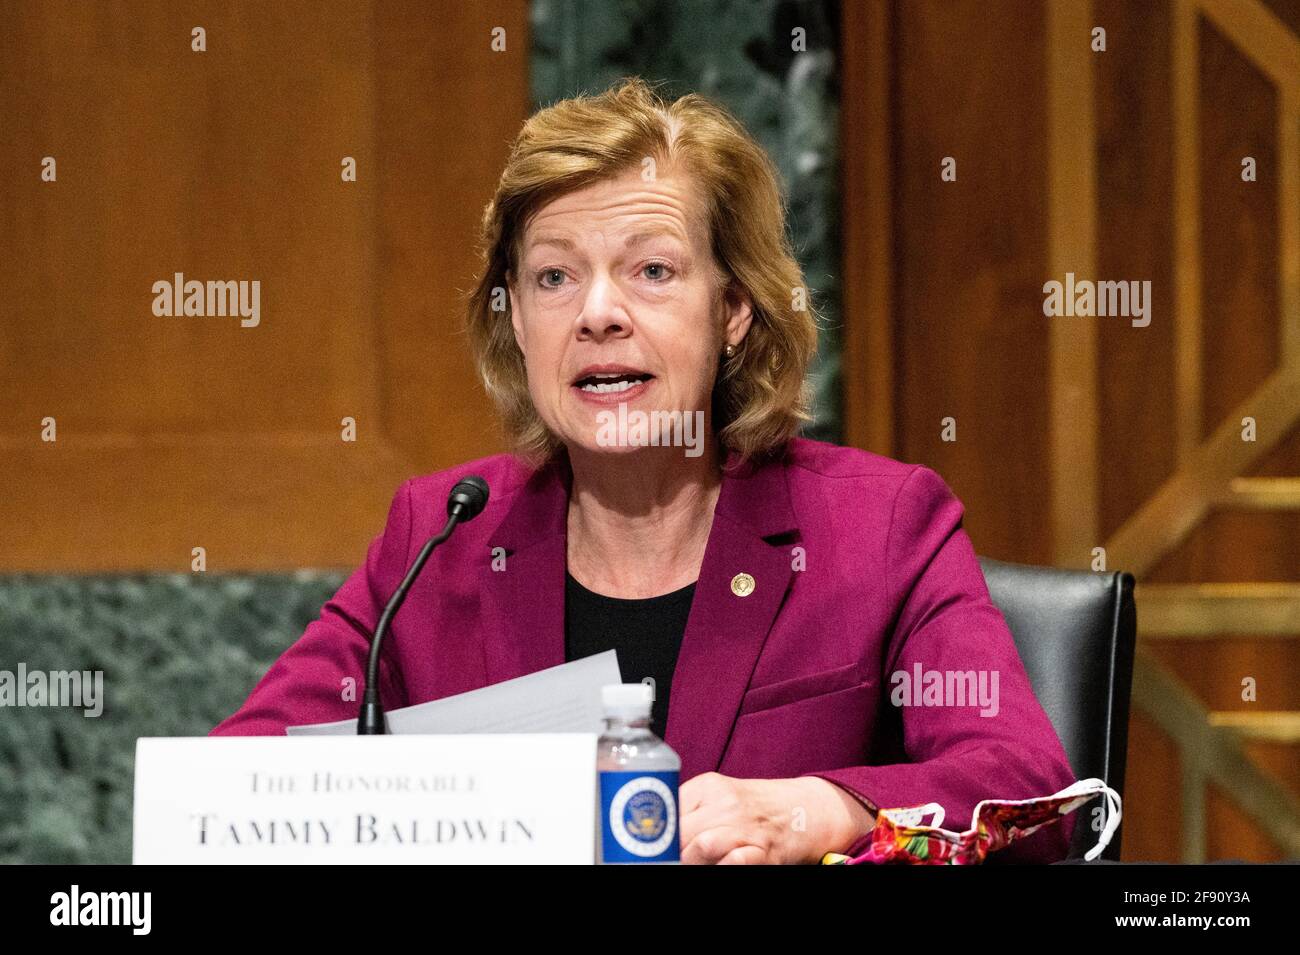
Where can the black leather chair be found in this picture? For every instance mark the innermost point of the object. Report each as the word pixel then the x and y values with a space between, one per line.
pixel 1075 631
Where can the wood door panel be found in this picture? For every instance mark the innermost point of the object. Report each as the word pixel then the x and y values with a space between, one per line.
pixel 225 165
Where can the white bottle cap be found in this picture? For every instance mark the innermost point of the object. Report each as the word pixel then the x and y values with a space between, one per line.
pixel 628 701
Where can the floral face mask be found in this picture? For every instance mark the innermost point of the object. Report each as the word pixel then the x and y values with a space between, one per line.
pixel 899 836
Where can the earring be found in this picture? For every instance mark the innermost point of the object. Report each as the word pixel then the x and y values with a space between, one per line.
pixel 730 351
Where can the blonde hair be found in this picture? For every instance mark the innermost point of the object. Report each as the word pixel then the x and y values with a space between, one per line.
pixel 761 395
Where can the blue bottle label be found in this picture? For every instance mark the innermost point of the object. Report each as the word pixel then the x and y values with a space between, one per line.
pixel 638 812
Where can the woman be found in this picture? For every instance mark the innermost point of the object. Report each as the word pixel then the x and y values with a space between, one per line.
pixel 636 263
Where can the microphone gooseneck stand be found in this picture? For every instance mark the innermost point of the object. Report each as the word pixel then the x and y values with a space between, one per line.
pixel 467 500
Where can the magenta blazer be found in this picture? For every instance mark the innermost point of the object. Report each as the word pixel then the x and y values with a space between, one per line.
pixel 861 569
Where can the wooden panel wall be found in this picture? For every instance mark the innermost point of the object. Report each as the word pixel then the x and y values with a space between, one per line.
pixel 1100 145
pixel 177 432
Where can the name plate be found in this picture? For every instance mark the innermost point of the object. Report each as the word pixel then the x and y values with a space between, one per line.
pixel 477 798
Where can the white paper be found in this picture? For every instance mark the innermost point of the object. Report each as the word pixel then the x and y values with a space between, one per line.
pixel 561 699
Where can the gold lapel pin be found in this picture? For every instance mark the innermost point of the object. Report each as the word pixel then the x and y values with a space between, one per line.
pixel 742 585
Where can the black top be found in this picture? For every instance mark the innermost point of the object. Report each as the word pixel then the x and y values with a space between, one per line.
pixel 647 634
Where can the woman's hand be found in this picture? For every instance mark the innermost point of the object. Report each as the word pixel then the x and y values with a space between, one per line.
pixel 776 821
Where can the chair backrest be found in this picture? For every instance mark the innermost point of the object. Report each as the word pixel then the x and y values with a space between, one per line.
pixel 1075 631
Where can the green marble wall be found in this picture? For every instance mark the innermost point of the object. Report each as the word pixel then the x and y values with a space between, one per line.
pixel 740 53
pixel 179 653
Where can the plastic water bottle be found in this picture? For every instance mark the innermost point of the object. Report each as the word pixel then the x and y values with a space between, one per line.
pixel 637 776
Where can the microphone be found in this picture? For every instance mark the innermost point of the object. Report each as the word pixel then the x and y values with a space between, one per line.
pixel 466 501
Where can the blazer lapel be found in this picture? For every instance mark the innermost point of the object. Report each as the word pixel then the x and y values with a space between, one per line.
pixel 752 531
pixel 752 527
pixel 523 605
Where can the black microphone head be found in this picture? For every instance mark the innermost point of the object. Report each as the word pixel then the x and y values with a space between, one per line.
pixel 468 497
